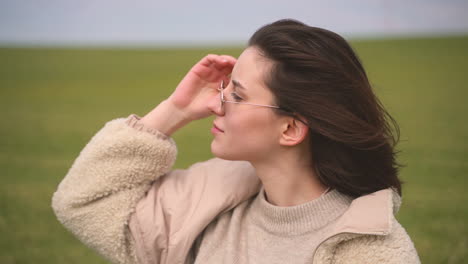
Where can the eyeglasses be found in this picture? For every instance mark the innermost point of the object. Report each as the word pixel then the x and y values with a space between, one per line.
pixel 223 99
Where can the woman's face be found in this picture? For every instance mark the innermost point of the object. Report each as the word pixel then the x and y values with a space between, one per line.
pixel 246 132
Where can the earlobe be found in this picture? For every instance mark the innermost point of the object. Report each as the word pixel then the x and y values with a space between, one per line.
pixel 294 133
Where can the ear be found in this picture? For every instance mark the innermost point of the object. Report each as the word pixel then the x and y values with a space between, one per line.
pixel 294 132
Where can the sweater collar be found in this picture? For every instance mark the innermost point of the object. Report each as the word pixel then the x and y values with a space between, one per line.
pixel 368 214
pixel 299 219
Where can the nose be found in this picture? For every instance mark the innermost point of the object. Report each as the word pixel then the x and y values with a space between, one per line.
pixel 214 104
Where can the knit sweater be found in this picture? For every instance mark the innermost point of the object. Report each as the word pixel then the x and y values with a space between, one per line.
pixel 259 232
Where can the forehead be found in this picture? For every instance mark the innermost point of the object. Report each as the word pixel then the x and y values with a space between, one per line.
pixel 250 70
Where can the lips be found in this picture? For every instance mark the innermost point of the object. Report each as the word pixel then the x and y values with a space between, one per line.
pixel 217 128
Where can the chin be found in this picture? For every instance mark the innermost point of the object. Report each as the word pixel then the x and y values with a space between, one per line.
pixel 222 152
pixel 218 151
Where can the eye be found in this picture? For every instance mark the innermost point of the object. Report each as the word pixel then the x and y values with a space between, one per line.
pixel 236 97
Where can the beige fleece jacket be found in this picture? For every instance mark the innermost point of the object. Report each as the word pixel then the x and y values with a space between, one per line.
pixel 121 198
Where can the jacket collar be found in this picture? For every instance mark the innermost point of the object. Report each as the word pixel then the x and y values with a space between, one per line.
pixel 370 214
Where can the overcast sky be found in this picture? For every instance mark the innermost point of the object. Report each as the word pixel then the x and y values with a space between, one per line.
pixel 145 22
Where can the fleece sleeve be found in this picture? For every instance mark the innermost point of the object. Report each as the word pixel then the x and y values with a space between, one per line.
pixel 101 189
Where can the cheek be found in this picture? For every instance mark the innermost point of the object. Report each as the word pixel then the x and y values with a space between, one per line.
pixel 246 137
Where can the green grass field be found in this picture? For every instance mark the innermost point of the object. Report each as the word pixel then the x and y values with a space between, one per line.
pixel 53 100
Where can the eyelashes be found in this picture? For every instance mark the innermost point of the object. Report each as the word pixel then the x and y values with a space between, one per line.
pixel 233 94
pixel 236 97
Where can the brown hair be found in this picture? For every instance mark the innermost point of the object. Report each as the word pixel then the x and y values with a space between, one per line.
pixel 316 75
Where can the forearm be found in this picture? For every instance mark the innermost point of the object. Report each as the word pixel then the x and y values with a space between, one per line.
pixel 165 118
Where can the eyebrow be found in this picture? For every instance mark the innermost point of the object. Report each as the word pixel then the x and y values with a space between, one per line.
pixel 237 84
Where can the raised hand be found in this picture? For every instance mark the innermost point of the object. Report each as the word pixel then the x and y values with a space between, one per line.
pixel 200 84
pixel 190 99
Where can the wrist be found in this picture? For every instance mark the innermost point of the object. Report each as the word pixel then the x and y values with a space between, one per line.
pixel 166 118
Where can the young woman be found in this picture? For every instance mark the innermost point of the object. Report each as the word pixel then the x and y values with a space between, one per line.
pixel 305 169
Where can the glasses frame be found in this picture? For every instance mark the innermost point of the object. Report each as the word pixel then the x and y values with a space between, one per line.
pixel 223 100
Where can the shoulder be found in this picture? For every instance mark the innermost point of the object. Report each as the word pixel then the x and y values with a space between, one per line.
pixel 220 166
pixel 216 175
pixel 395 247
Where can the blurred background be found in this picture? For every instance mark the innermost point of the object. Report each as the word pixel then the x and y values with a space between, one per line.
pixel 68 67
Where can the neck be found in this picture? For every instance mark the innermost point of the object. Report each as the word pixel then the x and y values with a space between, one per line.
pixel 289 179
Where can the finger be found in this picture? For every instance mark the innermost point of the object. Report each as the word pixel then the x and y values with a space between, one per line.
pixel 226 72
pixel 227 80
pixel 219 61
pixel 214 67
pixel 208 60
pixel 230 59
pixel 228 62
